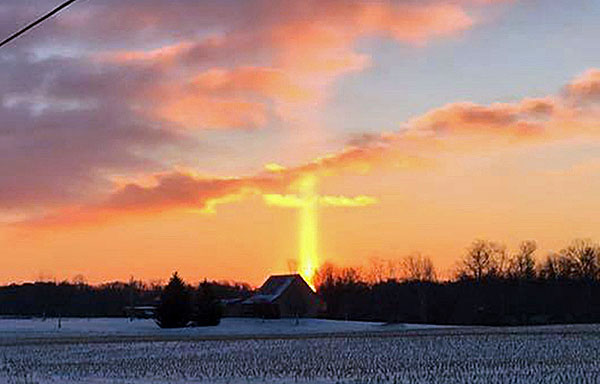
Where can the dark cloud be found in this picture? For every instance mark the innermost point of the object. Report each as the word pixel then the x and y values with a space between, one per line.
pixel 64 123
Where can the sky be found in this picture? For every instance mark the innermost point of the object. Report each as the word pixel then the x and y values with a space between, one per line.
pixel 234 139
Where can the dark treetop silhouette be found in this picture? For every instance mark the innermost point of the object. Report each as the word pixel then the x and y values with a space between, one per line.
pixel 491 286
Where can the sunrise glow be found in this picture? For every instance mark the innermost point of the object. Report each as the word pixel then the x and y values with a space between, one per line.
pixel 279 174
pixel 175 136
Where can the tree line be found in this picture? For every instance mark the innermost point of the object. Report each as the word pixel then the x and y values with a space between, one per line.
pixel 490 286
pixel 79 299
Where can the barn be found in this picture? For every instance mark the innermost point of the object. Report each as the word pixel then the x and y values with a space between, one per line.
pixel 283 296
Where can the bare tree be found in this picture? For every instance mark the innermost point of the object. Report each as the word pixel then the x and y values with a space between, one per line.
pixel 393 269
pixel 350 275
pixel 417 267
pixel 325 275
pixel 484 259
pixel 522 263
pixel 581 260
pixel 377 270
pixel 550 267
pixel 329 274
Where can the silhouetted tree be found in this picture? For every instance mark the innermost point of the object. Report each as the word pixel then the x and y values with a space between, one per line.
pixel 325 276
pixel 549 268
pixel 484 259
pixel 207 309
pixel 350 276
pixel 174 310
pixel 50 299
pixel 417 267
pixel 580 260
pixel 377 270
pixel 522 264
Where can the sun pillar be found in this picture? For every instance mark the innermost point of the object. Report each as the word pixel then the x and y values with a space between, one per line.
pixel 308 229
pixel 307 201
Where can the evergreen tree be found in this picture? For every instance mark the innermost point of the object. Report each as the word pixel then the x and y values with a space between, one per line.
pixel 207 309
pixel 174 310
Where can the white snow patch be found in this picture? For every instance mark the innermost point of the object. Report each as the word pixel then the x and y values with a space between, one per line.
pixel 74 327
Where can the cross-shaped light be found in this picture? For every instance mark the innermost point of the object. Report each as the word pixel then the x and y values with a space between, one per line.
pixel 308 201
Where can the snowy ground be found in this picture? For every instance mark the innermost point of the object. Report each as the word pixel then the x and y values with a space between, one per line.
pixel 320 352
pixel 229 327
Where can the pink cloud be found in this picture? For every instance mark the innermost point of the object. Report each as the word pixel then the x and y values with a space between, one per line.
pixel 290 57
pixel 585 87
pixel 168 68
pixel 414 147
pixel 522 119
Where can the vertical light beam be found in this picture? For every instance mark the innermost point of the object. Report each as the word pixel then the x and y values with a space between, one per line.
pixel 308 201
pixel 308 229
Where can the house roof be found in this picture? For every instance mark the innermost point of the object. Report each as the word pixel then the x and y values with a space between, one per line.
pixel 273 288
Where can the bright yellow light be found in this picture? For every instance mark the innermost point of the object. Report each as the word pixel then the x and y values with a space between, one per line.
pixel 308 227
pixel 274 167
pixel 343 201
pixel 287 201
pixel 308 201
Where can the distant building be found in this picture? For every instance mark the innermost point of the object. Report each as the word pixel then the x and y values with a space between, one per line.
pixel 141 312
pixel 232 307
pixel 280 296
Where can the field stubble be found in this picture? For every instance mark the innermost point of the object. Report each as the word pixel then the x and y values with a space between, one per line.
pixel 496 355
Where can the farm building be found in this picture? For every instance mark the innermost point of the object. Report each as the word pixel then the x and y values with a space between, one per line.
pixel 279 296
pixel 140 312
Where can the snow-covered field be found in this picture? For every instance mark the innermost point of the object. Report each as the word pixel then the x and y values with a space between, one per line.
pixel 319 353
pixel 229 327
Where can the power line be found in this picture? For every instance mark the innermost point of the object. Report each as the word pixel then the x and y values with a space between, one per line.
pixel 36 22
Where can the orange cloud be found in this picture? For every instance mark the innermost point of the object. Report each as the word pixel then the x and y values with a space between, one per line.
pixel 179 190
pixel 195 110
pixel 239 98
pixel 165 192
pixel 586 87
pixel 286 62
pixel 413 23
pixel 556 117
pixel 262 81
pixel 414 147
pixel 522 119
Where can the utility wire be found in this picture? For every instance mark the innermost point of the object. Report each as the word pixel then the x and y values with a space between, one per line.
pixel 36 22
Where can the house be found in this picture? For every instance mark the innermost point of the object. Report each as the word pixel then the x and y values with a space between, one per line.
pixel 283 296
